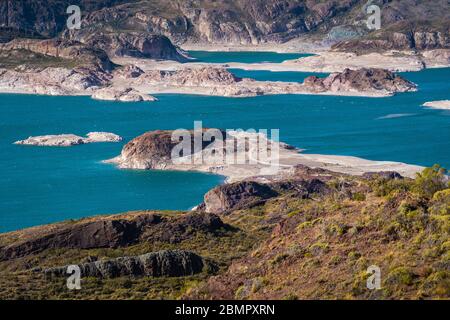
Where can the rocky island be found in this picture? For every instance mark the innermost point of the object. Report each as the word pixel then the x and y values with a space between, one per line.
pixel 67 140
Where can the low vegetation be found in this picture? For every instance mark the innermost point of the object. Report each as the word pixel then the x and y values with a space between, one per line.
pixel 286 248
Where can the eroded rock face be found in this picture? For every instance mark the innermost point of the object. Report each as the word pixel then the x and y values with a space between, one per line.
pixel 166 263
pixel 123 95
pixel 362 80
pixel 140 45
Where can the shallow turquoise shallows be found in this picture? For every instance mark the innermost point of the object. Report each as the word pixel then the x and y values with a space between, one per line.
pixel 42 184
pixel 244 57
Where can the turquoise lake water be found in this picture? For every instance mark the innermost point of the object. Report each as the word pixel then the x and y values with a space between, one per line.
pixel 244 57
pixel 41 185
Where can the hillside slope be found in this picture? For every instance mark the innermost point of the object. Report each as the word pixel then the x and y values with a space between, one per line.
pixel 236 21
pixel 310 236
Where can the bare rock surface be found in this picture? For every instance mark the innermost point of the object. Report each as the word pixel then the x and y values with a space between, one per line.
pixel 165 263
pixel 123 95
pixel 67 140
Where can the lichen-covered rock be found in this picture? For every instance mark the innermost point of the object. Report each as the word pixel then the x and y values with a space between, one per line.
pixel 166 263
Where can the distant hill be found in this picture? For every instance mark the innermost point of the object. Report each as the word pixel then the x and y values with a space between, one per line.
pixel 420 24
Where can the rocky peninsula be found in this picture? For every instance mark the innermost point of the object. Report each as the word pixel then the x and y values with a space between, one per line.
pixel 153 150
pixel 67 140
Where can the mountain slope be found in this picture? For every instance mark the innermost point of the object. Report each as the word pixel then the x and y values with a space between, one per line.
pixel 236 21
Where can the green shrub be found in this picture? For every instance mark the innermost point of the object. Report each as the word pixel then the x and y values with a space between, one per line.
pixel 358 196
pixel 400 275
pixel 430 181
pixel 440 203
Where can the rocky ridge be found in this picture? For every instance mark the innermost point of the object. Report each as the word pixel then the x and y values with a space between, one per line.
pixel 114 232
pixel 155 150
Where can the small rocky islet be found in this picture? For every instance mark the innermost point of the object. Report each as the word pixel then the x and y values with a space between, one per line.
pixel 67 140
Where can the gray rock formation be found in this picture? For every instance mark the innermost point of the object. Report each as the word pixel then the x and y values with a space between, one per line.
pixel 166 263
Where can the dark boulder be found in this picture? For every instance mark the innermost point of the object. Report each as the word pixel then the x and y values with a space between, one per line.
pixel 389 175
pixel 237 195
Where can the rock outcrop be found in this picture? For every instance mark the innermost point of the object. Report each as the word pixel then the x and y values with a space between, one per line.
pixel 140 45
pixel 246 194
pixel 166 263
pixel 115 232
pixel 152 150
pixel 388 175
pixel 123 95
pixel 80 54
pixel 362 80
pixel 236 195
pixel 67 140
pixel 52 80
